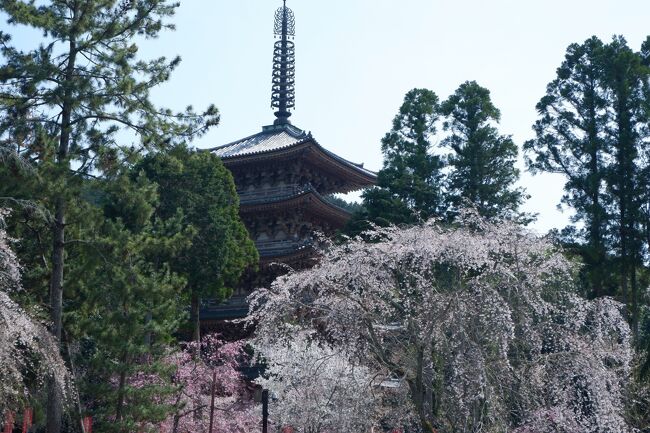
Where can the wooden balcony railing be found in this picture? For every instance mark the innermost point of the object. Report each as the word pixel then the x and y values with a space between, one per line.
pixel 271 194
pixel 281 247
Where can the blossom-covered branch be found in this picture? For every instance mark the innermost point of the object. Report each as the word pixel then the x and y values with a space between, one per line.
pixel 28 353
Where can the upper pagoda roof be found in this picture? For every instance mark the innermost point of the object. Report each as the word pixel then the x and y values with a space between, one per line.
pixel 271 138
pixel 275 140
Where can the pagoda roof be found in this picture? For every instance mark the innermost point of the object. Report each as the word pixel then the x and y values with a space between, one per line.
pixel 271 138
pixel 276 140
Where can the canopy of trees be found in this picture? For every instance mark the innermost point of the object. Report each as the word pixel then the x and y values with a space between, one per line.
pixel 75 120
pixel 197 185
pixel 442 157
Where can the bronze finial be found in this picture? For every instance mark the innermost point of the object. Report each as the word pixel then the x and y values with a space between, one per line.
pixel 284 65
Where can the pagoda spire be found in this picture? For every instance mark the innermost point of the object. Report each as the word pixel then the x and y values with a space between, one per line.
pixel 284 65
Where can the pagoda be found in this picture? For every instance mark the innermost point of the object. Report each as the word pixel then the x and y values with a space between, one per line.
pixel 285 180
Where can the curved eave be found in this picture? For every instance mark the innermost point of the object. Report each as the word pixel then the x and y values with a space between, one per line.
pixel 308 200
pixel 218 315
pixel 304 253
pixel 357 176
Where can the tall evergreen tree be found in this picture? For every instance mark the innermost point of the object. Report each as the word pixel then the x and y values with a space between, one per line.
pixel 570 140
pixel 627 134
pixel 644 319
pixel 198 185
pixel 594 129
pixel 80 86
pixel 409 186
pixel 482 161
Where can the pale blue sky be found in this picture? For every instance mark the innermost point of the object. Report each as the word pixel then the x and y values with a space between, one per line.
pixel 356 59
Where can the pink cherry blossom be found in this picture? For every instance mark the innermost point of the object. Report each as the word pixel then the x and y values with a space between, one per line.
pixel 195 367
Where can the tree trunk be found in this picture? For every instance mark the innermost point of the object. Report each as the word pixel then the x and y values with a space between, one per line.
pixel 56 281
pixel 119 408
pixel 177 420
pixel 177 417
pixel 195 318
pixel 624 261
pixel 54 396
pixel 593 185
pixel 55 400
pixel 595 230
pixel 120 392
pixel 428 404
pixel 54 407
pixel 635 301
pixel 421 398
pixel 73 371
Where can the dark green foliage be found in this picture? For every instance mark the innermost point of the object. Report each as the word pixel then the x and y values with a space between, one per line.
pixel 409 187
pixel 197 185
pixel 627 134
pixel 570 140
pixel 62 104
pixel 419 180
pixel 126 305
pixel 349 206
pixel 482 161
pixel 132 248
pixel 593 129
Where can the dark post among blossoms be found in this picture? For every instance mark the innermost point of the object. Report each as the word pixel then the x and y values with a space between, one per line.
pixel 265 411
pixel 214 384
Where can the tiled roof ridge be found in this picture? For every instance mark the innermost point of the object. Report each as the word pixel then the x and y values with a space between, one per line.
pixel 294 131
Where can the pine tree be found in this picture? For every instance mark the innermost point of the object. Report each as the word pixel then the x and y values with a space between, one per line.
pixel 125 305
pixel 80 86
pixel 409 186
pixel 482 161
pixel 198 185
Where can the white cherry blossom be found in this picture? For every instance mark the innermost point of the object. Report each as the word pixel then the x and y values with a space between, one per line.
pixel 28 353
pixel 478 320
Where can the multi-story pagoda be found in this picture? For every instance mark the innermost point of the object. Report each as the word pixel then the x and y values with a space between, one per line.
pixel 285 179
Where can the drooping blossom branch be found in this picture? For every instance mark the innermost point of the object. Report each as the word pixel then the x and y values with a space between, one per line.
pixel 28 353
